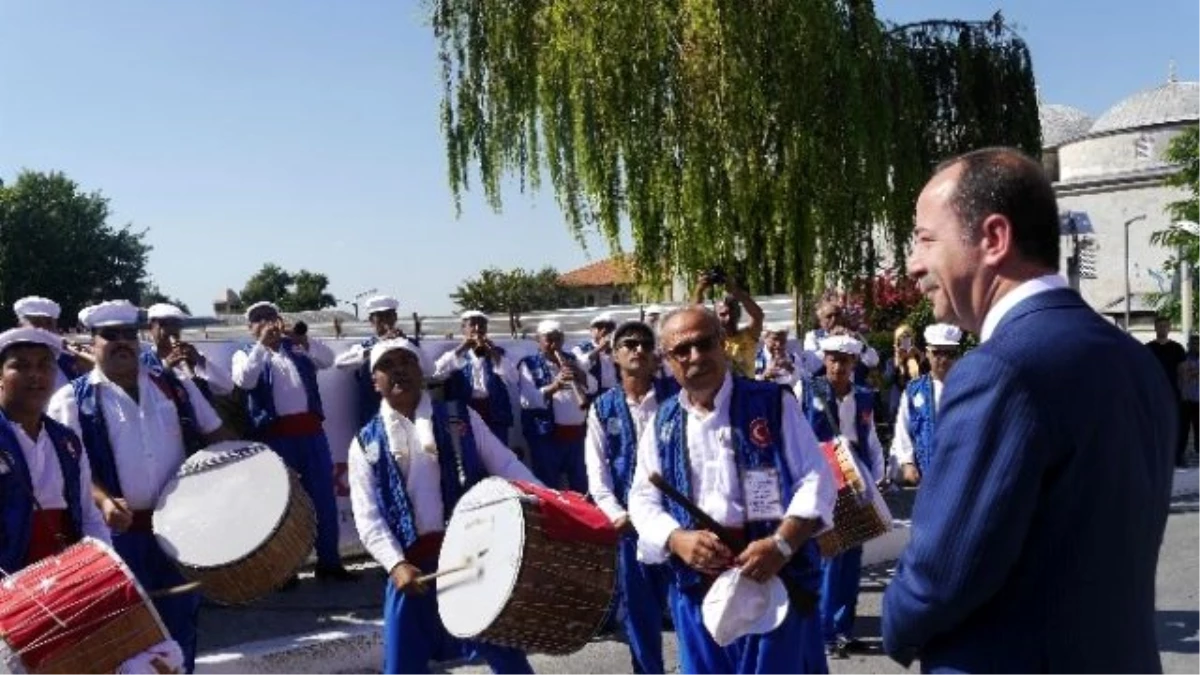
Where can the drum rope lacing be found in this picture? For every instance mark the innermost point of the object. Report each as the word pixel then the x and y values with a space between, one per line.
pixel 198 464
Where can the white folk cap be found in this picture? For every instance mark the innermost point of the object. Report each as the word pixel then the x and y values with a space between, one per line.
pixel 380 303
pixel 109 313
pixel 736 606
pixel 473 314
pixel 384 346
pixel 31 336
pixel 549 326
pixel 164 310
pixel 37 306
pixel 603 319
pixel 942 335
pixel 263 304
pixel 842 344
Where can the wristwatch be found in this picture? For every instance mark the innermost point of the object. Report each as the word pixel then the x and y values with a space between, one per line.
pixel 784 547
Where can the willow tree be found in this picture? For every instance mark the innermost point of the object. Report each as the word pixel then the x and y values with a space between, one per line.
pixel 784 139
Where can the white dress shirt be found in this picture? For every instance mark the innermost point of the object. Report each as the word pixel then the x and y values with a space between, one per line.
pixel 784 377
pixel 608 369
pixel 290 395
pixel 353 358
pixel 1026 290
pixel 565 402
pixel 902 444
pixel 413 447
pixel 716 487
pixel 145 436
pixel 595 453
pixel 219 381
pixel 847 418
pixel 451 362
pixel 46 476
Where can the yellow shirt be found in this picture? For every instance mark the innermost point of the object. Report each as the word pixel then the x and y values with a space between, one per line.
pixel 741 348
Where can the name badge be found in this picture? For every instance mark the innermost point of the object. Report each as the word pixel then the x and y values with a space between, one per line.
pixel 761 489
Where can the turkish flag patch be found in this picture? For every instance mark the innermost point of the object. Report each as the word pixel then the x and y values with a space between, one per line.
pixel 760 433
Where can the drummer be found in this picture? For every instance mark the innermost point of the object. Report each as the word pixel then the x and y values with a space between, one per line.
pixel 279 375
pixel 404 483
pixel 38 312
pixel 138 424
pixel 40 455
pixel 835 406
pixel 167 351
pixel 721 440
pixel 382 314
pixel 616 421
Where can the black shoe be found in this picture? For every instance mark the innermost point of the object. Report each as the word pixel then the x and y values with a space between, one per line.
pixel 291 584
pixel 338 573
pixel 833 651
pixel 854 645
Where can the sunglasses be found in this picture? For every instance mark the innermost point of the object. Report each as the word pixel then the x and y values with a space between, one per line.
pixel 117 334
pixel 633 343
pixel 683 350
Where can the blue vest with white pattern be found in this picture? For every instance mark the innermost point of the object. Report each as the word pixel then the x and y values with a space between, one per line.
pixel 620 436
pixel 16 524
pixel 539 422
pixel 260 401
pixel 821 408
pixel 390 492
pixel 921 418
pixel 461 385
pixel 751 403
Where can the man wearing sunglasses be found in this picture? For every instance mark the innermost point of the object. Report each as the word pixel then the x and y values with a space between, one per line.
pixel 836 407
pixel 615 423
pixel 279 374
pixel 742 452
pixel 138 424
pixel 912 446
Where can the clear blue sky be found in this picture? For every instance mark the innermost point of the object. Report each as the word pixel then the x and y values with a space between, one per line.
pixel 305 132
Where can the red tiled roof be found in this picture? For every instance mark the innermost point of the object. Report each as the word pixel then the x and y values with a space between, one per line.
pixel 607 272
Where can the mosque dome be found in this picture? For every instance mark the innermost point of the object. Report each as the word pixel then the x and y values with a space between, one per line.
pixel 1173 102
pixel 1061 124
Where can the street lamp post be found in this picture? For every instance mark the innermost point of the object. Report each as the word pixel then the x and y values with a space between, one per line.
pixel 1127 224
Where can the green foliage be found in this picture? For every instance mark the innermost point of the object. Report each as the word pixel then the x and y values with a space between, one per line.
pixel 55 241
pixel 297 292
pixel 514 291
pixel 1183 242
pixel 793 135
pixel 152 295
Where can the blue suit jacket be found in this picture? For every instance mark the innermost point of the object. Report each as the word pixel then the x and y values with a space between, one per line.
pixel 1037 528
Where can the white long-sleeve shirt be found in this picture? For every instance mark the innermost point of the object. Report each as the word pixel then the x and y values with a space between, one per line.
pixel 413 447
pixel 716 487
pixel 847 416
pixel 451 362
pixel 783 376
pixel 902 444
pixel 46 477
pixel 595 453
pixel 608 369
pixel 353 358
pixel 146 439
pixel 290 395
pixel 565 403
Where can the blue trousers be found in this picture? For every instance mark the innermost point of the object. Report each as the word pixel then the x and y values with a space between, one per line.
pixel 643 590
pixel 413 635
pixel 155 571
pixel 309 456
pixel 839 594
pixel 552 459
pixel 794 647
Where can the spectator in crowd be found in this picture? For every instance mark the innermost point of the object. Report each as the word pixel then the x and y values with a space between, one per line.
pixel 1171 355
pixel 741 344
pixel 1189 388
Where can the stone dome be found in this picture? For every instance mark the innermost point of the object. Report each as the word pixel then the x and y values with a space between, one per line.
pixel 1172 102
pixel 1061 124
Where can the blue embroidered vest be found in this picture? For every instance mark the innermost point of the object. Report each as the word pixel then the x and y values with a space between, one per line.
pixel 66 363
pixel 597 368
pixel 921 418
pixel 539 422
pixel 260 401
pixel 368 398
pixel 461 385
pixel 620 436
pixel 95 429
pixel 752 405
pixel 821 408
pixel 461 468
pixel 16 498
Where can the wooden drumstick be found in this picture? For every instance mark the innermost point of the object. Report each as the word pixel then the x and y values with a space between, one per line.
pixel 442 573
pixel 174 590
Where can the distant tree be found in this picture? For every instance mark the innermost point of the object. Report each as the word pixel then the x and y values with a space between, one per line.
pixel 513 292
pixel 151 295
pixel 1183 242
pixel 297 292
pixel 55 241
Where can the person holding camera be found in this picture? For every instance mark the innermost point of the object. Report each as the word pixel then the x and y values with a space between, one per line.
pixel 905 365
pixel 741 345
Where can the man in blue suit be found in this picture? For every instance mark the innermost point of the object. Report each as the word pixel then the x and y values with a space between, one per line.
pixel 1037 528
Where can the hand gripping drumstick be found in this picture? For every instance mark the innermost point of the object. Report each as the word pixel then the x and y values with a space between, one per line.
pixel 804 600
pixel 467 564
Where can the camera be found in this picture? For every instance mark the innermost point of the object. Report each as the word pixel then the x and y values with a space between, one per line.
pixel 715 275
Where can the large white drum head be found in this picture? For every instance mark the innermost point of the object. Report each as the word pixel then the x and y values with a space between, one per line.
pixel 223 505
pixel 488 527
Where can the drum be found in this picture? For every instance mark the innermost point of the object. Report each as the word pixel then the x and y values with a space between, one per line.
pixel 534 577
pixel 237 520
pixel 80 611
pixel 860 513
